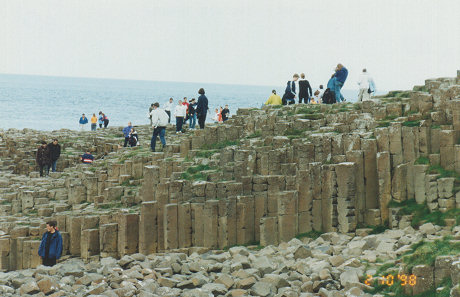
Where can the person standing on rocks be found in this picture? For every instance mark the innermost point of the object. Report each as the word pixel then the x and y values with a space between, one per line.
pixel 106 120
pixel 341 74
pixel 192 114
pixel 159 122
pixel 93 122
pixel 305 92
pixel 291 90
pixel 202 108
pixel 101 119
pixel 55 153
pixel 83 121
pixel 225 112
pixel 126 131
pixel 51 245
pixel 168 107
pixel 185 102
pixel 366 86
pixel 43 158
pixel 180 112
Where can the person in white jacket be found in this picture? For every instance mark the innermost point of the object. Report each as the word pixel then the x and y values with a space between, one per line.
pixel 159 122
pixel 180 112
pixel 168 107
pixel 366 86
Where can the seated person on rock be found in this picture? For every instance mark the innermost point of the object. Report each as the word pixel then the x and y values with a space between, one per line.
pixel 87 158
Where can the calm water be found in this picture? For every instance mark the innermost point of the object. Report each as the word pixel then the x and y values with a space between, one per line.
pixel 51 103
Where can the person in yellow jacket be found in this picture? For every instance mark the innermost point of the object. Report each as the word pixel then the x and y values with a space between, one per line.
pixel 274 99
pixel 93 122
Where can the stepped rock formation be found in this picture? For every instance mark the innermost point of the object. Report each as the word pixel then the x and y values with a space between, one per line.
pixel 262 178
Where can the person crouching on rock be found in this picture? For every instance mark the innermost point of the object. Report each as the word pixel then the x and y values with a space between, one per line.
pixel 43 158
pixel 51 245
pixel 87 158
pixel 133 138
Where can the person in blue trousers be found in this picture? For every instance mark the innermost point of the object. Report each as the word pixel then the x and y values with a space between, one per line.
pixel 159 122
pixel 51 245
pixel 341 74
pixel 192 114
pixel 126 131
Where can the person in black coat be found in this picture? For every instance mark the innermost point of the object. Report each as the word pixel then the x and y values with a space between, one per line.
pixel 55 153
pixel 305 91
pixel 202 108
pixel 43 158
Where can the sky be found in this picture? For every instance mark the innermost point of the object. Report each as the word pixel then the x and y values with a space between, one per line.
pixel 251 42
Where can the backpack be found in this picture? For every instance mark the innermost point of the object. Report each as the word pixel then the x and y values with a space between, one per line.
pixel 329 97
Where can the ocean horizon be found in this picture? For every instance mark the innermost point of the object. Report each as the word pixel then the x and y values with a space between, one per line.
pixel 52 103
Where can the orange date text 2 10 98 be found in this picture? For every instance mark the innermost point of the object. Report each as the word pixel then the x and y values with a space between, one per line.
pixel 389 280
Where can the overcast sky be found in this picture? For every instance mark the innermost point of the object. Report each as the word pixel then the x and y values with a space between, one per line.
pixel 256 42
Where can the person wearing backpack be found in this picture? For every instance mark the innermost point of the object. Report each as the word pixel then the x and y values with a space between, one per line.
pixel 329 94
pixel 291 90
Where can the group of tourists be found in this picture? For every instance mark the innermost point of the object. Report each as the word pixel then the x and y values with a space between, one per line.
pixel 131 137
pixel 221 114
pixel 102 120
pixel 47 156
pixel 184 111
pixel 301 89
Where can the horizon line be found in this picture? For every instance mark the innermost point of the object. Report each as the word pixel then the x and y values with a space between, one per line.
pixel 144 80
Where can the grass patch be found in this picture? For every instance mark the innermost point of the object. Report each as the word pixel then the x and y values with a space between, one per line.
pixel 390 117
pixel 196 172
pixel 411 124
pixel 256 134
pixel 312 234
pixel 314 116
pixel 421 213
pixel 220 145
pixel 423 161
pixel 127 184
pixel 383 124
pixel 379 228
pixel 421 253
pixel 426 252
pixel 205 154
pixel 435 126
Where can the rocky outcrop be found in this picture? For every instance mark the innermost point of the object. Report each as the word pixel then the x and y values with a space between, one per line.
pixel 264 177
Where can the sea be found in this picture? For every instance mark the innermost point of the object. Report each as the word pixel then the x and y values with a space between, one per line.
pixel 52 103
